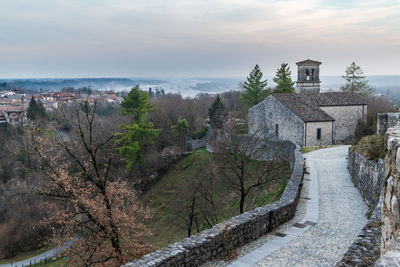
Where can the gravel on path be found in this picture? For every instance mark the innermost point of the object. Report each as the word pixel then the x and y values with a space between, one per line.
pixel 341 216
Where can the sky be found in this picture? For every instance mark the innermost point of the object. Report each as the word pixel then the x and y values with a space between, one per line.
pixel 195 38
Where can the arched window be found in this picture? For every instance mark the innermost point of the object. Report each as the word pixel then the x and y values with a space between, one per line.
pixel 312 74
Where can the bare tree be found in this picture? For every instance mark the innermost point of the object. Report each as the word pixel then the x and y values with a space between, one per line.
pixel 245 162
pixel 82 197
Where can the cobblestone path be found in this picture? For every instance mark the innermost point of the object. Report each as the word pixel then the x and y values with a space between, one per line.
pixel 341 216
pixel 329 199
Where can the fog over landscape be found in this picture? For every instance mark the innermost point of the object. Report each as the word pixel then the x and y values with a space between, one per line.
pixel 189 87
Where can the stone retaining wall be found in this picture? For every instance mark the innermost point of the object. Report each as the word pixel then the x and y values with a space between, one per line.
pixel 234 232
pixel 391 192
pixel 386 121
pixel 367 176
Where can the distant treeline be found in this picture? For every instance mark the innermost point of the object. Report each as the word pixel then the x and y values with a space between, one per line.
pixel 58 84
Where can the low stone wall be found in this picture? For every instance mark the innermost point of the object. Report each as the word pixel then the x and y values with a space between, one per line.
pixel 367 176
pixel 234 232
pixel 386 121
pixel 391 192
pixel 365 250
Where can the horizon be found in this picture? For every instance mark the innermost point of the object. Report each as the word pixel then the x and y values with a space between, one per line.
pixel 267 76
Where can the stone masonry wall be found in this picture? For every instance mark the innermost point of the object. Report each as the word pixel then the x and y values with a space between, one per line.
pixel 391 191
pixel 386 121
pixel 346 118
pixel 326 133
pixel 269 113
pixel 234 232
pixel 367 176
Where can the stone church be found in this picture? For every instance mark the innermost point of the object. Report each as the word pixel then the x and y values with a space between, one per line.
pixel 308 117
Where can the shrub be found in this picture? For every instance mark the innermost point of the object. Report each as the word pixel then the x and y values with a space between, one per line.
pixel 372 147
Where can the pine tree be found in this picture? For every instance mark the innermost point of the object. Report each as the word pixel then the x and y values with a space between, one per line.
pixel 284 83
pixel 356 82
pixel 255 88
pixel 216 113
pixel 137 104
pixel 139 132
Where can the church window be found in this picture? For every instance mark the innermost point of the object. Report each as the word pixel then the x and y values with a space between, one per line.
pixel 319 134
pixel 312 74
pixel 276 130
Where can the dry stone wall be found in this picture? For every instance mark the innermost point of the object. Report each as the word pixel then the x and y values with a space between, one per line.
pixel 367 176
pixel 386 121
pixel 391 189
pixel 234 232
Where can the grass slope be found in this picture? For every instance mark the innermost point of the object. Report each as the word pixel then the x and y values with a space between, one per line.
pixel 165 195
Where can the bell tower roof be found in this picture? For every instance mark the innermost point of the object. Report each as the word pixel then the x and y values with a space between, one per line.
pixel 308 62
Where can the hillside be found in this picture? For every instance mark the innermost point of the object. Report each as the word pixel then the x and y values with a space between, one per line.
pixel 166 198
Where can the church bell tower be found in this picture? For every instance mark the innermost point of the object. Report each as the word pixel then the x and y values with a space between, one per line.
pixel 308 76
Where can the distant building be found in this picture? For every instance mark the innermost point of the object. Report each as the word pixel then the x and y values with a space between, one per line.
pixel 6 93
pixel 309 118
pixel 12 115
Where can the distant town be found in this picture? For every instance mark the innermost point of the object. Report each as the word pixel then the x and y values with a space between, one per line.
pixel 14 105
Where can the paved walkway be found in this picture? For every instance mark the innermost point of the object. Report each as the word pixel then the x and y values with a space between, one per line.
pixel 49 254
pixel 30 261
pixel 330 215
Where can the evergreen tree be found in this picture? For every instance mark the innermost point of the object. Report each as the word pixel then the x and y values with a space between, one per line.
pixel 216 113
pixel 181 128
pixel 139 132
pixel 136 104
pixel 356 82
pixel 284 83
pixel 35 110
pixel 255 88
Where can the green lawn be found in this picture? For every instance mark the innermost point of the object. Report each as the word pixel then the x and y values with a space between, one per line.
pixel 165 195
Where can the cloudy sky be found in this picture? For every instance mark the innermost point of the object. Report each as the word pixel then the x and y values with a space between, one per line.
pixel 194 38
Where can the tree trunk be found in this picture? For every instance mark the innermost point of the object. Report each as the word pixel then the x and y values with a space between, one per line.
pixel 191 215
pixel 242 197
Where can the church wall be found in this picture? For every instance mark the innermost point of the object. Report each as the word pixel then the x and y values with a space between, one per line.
pixel 346 118
pixel 271 112
pixel 311 133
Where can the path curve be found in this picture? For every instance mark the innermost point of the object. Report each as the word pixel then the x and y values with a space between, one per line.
pixel 330 200
pixel 341 215
pixel 48 254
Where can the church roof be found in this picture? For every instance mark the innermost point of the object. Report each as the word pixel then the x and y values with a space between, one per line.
pixel 336 99
pixel 306 106
pixel 308 61
pixel 302 107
